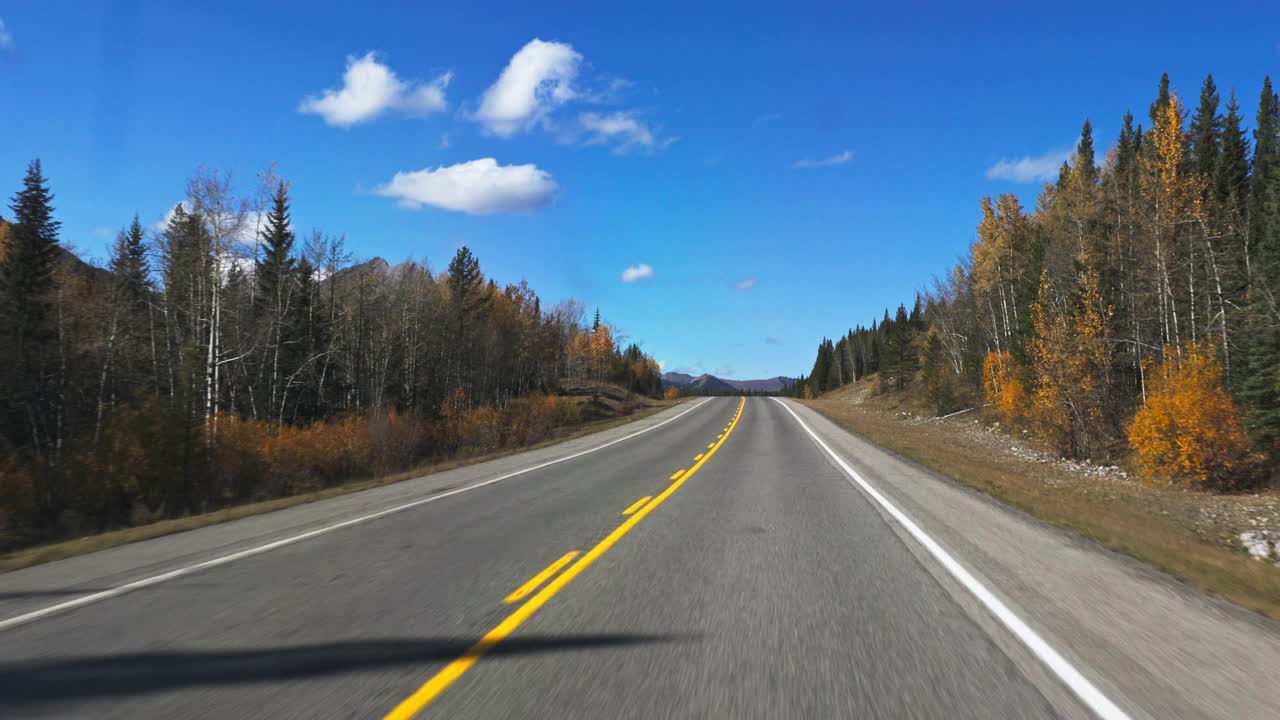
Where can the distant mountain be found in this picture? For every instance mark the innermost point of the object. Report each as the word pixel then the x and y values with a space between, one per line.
pixel 711 384
pixel 677 379
pixel 773 384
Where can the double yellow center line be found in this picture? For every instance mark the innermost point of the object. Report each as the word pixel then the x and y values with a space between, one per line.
pixel 414 704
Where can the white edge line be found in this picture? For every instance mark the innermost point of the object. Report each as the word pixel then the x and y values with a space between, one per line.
pixel 1100 704
pixel 250 552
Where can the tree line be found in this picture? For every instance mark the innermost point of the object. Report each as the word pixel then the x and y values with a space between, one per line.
pixel 223 358
pixel 1134 310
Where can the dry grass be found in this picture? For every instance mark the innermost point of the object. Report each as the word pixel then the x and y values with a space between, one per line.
pixel 1188 534
pixel 93 543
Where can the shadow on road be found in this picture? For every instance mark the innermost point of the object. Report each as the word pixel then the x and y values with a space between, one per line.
pixel 38 682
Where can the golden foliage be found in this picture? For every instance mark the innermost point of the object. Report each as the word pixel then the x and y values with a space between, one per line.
pixel 671 393
pixel 601 350
pixel 1189 430
pixel 808 393
pixel 1003 386
pixel 1071 358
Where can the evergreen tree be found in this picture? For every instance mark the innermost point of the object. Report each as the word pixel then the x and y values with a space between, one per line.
pixel 1085 162
pixel 276 263
pixel 900 359
pixel 1261 387
pixel 1232 175
pixel 129 265
pixel 27 329
pixel 1206 132
pixel 1162 99
pixel 833 367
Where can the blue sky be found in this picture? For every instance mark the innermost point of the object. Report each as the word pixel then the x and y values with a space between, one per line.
pixel 783 171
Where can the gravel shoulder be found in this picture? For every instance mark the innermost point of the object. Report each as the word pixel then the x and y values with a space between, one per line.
pixel 1155 645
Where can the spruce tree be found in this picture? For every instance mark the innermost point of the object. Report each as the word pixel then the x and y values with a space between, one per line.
pixel 833 367
pixel 129 266
pixel 276 263
pixel 27 337
pixel 1261 387
pixel 1232 174
pixel 1162 99
pixel 1206 132
pixel 1085 161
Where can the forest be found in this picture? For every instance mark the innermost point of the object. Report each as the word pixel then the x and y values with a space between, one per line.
pixel 220 358
pixel 1131 315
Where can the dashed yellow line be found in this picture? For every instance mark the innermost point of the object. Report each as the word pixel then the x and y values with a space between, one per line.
pixel 540 578
pixel 414 704
pixel 636 505
pixel 677 475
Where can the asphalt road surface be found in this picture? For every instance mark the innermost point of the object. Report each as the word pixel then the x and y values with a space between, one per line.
pixel 726 558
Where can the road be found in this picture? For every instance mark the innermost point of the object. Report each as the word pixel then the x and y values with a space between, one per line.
pixel 790 570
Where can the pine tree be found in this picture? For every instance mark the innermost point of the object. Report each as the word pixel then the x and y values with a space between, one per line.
pixel 1261 387
pixel 1162 99
pixel 1085 162
pixel 899 361
pixel 833 367
pixel 27 332
pixel 1206 132
pixel 468 298
pixel 1232 176
pixel 129 266
pixel 273 268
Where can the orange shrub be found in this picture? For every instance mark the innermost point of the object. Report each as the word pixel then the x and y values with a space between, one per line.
pixel 236 463
pixel 671 393
pixel 396 440
pixel 480 429
pixel 532 418
pixel 1188 429
pixel 1003 386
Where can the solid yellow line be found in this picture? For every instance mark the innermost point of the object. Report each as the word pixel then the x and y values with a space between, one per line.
pixel 414 704
pixel 540 578
pixel 636 505
pixel 677 475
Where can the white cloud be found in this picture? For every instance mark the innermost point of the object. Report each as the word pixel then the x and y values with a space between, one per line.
pixel 723 371
pixel 620 127
pixel 635 273
pixel 445 142
pixel 6 39
pixel 662 366
pixel 103 232
pixel 1029 168
pixel 478 187
pixel 538 78
pixel 370 89
pixel 837 159
pixel 745 283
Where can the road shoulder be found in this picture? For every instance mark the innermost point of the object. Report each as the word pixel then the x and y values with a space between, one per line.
pixel 1148 640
